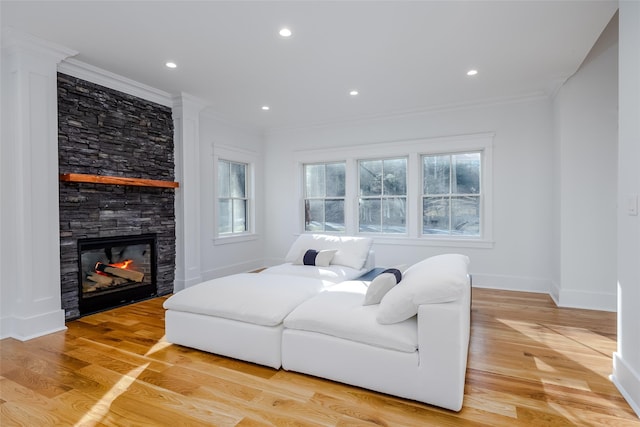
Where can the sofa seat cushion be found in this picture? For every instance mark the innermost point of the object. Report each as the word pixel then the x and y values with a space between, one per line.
pixel 339 312
pixel 261 299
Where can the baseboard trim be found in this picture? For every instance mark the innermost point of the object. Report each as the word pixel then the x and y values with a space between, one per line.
pixel 555 293
pixel 6 326
pixel 227 270
pixel 588 300
pixel 561 297
pixel 27 328
pixel 511 283
pixel 627 381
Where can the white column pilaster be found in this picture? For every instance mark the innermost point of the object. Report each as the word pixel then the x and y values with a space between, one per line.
pixel 186 119
pixel 30 269
pixel 626 360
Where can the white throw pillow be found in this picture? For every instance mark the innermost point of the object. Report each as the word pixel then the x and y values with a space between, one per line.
pixel 434 280
pixel 378 288
pixel 381 284
pixel 316 258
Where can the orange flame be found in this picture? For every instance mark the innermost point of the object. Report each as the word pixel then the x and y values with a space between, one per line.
pixel 123 264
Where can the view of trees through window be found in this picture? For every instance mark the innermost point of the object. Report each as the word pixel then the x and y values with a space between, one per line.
pixel 448 198
pixel 451 194
pixel 324 192
pixel 383 196
pixel 232 197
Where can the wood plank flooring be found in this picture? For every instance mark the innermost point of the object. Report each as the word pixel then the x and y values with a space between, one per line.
pixel 530 363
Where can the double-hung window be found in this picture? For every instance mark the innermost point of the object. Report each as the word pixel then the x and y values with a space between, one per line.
pixel 324 193
pixel 382 201
pixel 233 197
pixel 451 194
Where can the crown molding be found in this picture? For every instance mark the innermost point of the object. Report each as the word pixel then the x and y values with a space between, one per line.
pixel 187 104
pixel 392 115
pixel 15 40
pixel 243 126
pixel 96 75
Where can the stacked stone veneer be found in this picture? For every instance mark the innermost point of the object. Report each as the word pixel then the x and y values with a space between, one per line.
pixel 105 132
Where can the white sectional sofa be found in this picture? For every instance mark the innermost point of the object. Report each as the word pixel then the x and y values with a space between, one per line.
pixel 312 319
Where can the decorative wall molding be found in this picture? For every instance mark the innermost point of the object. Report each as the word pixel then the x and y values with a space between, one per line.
pixel 186 118
pixel 30 302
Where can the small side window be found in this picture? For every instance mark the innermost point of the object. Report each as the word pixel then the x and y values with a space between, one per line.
pixel 233 200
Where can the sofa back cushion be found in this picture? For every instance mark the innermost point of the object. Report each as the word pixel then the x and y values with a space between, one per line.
pixel 350 251
pixel 439 279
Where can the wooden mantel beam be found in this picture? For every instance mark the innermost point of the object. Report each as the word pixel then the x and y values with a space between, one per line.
pixel 117 180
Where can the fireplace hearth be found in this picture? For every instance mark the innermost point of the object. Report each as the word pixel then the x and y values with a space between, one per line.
pixel 114 271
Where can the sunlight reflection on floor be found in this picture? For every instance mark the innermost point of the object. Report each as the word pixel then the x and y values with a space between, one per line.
pixel 161 344
pixel 102 407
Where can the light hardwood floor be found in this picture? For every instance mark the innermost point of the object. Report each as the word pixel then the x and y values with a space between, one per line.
pixel 530 363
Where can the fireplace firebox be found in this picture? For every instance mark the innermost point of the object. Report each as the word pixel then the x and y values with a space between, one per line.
pixel 115 271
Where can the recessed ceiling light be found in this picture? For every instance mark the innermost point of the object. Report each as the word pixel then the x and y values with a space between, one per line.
pixel 472 72
pixel 353 92
pixel 265 108
pixel 171 64
pixel 285 32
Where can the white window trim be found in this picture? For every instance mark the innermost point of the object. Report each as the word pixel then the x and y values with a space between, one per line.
pixel 250 158
pixel 413 150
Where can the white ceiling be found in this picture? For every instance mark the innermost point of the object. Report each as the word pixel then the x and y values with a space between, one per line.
pixel 402 56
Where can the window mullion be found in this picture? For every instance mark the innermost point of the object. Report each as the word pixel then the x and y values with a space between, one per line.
pixel 350 194
pixel 451 175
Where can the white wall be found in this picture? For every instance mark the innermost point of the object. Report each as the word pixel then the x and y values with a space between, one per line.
pixel 219 258
pixel 626 372
pixel 200 136
pixel 586 135
pixel 522 184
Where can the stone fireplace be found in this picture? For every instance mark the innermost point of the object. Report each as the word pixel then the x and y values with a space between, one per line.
pixel 106 133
